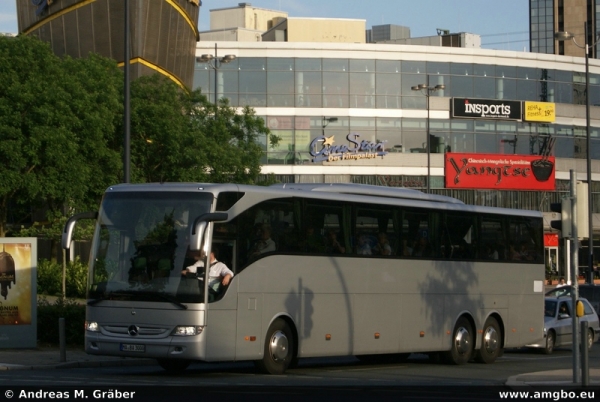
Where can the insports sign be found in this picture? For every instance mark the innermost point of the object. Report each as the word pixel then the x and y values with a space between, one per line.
pixel 486 109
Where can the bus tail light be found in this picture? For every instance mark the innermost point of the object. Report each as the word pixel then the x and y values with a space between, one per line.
pixel 187 330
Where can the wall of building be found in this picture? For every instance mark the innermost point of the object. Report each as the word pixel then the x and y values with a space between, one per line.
pixel 246 16
pixel 326 30
pixel 163 33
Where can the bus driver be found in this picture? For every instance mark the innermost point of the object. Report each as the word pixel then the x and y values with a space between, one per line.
pixel 218 274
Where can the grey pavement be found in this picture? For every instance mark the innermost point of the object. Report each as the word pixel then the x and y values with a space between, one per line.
pixel 43 358
pixel 50 357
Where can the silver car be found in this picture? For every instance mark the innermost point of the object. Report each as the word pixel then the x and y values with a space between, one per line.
pixel 558 330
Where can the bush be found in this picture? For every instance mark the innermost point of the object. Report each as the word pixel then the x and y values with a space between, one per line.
pixel 48 316
pixel 49 278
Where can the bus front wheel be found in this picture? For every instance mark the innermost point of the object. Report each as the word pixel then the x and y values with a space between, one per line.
pixel 462 343
pixel 279 348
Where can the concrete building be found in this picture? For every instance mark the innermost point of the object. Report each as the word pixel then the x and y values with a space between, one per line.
pixel 549 16
pixel 163 33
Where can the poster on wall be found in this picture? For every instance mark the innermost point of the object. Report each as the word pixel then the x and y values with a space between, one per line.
pixel 499 172
pixel 18 260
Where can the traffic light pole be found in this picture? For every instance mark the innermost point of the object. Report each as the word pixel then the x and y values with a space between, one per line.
pixel 574 278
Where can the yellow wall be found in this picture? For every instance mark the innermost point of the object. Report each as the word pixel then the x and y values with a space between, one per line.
pixel 326 30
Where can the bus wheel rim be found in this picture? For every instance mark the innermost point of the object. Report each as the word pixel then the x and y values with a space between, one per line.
pixel 278 346
pixel 490 340
pixel 462 340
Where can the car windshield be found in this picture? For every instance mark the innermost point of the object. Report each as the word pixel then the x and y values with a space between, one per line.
pixel 558 292
pixel 550 308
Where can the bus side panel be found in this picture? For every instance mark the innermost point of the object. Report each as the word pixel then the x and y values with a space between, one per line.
pixel 421 313
pixel 377 323
pixel 220 335
pixel 249 326
pixel 526 320
pixel 333 320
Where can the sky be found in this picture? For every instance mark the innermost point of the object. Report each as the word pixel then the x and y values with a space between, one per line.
pixel 502 24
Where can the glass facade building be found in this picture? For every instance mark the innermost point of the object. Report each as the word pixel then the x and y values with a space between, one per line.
pixel 368 89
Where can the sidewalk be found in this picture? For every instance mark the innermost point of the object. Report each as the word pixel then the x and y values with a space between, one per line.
pixel 49 358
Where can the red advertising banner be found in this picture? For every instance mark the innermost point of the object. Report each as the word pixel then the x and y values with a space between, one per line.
pixel 499 172
pixel 550 239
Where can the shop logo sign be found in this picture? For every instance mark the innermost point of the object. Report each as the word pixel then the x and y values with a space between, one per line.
pixel 322 149
pixel 486 109
pixel 499 172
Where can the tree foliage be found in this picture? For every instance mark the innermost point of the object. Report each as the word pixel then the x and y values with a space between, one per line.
pixel 177 135
pixel 61 131
pixel 56 120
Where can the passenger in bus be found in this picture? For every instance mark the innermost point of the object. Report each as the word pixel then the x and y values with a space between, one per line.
pixel 491 252
pixel 513 254
pixel 311 243
pixel 422 248
pixel 406 249
pixel 383 245
pixel 364 246
pixel 265 244
pixel 524 253
pixel 332 245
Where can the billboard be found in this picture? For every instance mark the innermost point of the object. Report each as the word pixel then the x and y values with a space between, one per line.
pixel 18 292
pixel 544 112
pixel 499 172
pixel 486 109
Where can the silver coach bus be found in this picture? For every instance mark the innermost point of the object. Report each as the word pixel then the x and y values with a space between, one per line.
pixel 319 270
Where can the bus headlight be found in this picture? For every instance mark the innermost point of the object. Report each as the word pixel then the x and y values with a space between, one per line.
pixel 187 330
pixel 92 326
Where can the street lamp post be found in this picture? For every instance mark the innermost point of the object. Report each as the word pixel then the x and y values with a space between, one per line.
pixel 215 62
pixel 126 99
pixel 326 121
pixel 564 36
pixel 427 90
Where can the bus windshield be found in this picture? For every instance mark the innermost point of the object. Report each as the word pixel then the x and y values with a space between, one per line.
pixel 141 247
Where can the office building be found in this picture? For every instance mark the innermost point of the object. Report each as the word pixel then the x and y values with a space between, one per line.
pixel 549 16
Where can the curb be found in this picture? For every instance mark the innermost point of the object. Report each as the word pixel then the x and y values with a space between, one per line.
pixel 70 365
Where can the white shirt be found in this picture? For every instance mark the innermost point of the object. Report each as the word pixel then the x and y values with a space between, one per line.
pixel 266 246
pixel 217 270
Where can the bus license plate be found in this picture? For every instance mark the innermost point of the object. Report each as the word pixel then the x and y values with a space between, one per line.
pixel 128 347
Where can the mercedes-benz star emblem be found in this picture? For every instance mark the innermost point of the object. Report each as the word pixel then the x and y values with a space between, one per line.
pixel 133 330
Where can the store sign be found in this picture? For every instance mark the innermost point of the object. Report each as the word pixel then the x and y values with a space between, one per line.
pixel 486 109
pixel 544 112
pixel 323 149
pixel 550 239
pixel 499 172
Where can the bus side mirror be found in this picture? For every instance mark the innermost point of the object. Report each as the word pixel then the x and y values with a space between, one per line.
pixel 67 234
pixel 579 310
pixel 199 226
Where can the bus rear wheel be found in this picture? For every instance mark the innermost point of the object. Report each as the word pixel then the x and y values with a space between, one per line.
pixel 278 353
pixel 461 350
pixel 491 342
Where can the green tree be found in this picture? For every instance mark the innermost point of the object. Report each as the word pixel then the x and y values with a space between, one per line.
pixel 57 119
pixel 176 136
